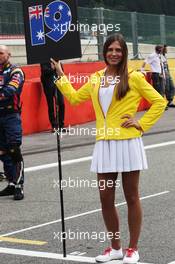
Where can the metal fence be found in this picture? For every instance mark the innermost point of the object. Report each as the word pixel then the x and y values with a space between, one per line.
pixel 11 18
pixel 137 28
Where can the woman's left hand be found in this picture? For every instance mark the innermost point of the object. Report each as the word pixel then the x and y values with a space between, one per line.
pixel 130 122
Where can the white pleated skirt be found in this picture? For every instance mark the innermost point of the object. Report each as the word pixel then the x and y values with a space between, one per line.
pixel 119 156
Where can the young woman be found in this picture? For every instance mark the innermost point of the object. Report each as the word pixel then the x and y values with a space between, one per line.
pixel 116 93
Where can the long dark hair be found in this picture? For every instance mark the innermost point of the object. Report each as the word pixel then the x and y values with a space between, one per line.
pixel 122 68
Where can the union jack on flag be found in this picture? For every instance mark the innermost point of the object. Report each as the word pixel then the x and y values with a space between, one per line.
pixel 35 12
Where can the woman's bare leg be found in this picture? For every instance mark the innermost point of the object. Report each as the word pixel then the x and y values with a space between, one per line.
pixel 130 181
pixel 107 183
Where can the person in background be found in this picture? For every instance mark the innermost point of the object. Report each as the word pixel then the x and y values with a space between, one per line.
pixel 47 79
pixel 119 147
pixel 157 69
pixel 169 85
pixel 11 83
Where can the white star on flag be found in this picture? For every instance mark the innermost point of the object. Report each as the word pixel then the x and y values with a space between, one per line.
pixel 60 7
pixel 69 13
pixel 40 35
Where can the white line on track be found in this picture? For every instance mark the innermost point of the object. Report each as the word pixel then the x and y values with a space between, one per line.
pixel 77 215
pixel 52 165
pixel 48 255
pixel 159 145
pixel 73 161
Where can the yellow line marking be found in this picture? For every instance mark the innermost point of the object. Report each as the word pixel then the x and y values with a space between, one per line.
pixel 22 241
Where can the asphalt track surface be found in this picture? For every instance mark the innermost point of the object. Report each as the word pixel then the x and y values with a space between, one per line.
pixel 30 229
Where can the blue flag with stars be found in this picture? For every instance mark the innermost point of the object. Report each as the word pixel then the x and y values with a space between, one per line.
pixel 48 30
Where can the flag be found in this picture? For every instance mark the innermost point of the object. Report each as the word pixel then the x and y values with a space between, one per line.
pixel 36 25
pixel 48 30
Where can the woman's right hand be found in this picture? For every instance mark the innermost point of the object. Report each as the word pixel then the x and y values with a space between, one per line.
pixel 56 65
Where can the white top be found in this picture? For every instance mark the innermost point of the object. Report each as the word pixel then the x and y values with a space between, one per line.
pixel 154 60
pixel 105 97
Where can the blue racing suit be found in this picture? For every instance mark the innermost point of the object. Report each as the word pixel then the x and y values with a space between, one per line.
pixel 11 83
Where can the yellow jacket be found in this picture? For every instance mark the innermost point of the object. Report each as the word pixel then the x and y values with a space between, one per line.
pixel 110 127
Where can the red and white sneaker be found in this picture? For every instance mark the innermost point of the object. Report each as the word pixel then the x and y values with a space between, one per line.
pixel 110 254
pixel 131 256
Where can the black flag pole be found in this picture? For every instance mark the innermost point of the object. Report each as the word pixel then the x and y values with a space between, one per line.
pixel 47 36
pixel 60 174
